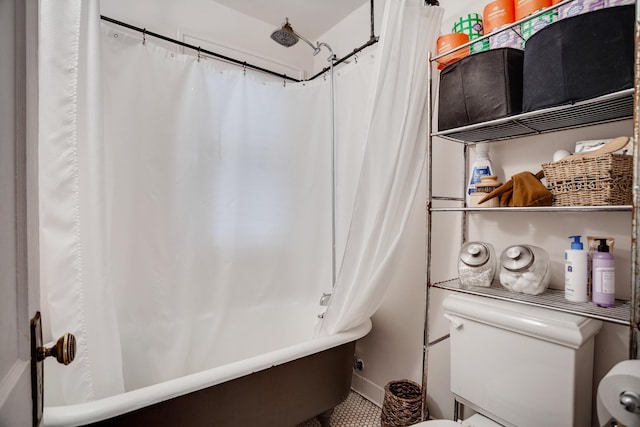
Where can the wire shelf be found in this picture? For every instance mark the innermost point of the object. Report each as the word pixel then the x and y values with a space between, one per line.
pixel 603 109
pixel 554 209
pixel 551 298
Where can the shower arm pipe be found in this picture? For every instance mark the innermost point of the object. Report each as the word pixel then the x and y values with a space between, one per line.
pixel 316 49
pixel 244 64
pixel 332 56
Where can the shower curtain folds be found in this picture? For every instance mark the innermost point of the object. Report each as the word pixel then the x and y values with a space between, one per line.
pixel 391 165
pixel 209 189
pixel 77 287
pixel 178 199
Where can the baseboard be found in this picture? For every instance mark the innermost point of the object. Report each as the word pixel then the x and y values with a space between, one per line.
pixel 367 389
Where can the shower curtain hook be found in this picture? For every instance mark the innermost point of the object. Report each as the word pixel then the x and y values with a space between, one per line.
pixel 284 81
pixel 144 36
pixel 199 54
pixel 355 58
pixel 244 68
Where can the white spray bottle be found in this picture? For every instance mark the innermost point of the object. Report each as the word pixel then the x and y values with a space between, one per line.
pixel 481 167
pixel 576 271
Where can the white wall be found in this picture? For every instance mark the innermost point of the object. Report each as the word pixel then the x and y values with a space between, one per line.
pixel 393 349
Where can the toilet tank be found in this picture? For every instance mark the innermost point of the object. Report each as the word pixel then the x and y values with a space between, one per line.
pixel 521 365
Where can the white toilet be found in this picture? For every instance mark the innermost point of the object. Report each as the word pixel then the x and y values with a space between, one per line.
pixel 519 365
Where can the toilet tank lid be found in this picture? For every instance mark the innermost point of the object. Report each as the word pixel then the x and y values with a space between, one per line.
pixel 550 325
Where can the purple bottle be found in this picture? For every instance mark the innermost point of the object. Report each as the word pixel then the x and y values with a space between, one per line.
pixel 604 276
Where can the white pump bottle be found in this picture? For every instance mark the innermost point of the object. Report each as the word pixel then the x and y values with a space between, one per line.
pixel 576 271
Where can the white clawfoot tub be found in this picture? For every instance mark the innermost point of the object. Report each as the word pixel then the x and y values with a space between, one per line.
pixel 273 387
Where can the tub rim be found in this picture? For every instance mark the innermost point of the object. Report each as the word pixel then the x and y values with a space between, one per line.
pixel 108 407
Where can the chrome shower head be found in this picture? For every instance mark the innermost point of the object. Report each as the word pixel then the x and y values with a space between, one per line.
pixel 285 35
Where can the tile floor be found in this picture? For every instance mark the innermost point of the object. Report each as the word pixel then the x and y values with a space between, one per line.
pixel 355 411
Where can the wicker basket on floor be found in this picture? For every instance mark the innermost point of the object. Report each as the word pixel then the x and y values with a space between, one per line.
pixel 402 404
pixel 598 181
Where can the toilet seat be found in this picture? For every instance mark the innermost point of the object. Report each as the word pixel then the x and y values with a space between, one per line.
pixel 437 423
pixel 475 420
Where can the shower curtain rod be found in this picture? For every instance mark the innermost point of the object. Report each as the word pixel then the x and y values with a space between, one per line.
pixel 145 32
pixel 372 40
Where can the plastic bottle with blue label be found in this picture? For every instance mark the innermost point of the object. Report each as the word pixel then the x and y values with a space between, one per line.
pixel 481 167
pixel 604 276
pixel 576 272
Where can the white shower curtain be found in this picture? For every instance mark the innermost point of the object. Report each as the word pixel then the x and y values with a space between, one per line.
pixel 178 199
pixel 76 280
pixel 219 206
pixel 393 159
pixel 201 205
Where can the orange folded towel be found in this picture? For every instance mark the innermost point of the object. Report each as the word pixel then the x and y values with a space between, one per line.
pixel 522 190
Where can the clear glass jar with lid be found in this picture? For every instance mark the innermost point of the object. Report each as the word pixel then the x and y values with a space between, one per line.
pixel 525 269
pixel 476 264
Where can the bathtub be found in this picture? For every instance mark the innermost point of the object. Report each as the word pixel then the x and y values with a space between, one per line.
pixel 275 387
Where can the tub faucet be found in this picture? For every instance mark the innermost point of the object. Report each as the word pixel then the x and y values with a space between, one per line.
pixel 324 299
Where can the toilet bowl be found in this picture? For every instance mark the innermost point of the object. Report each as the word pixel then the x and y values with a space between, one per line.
pixel 475 420
pixel 437 423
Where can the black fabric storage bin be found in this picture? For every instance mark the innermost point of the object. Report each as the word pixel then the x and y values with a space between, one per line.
pixel 481 87
pixel 578 58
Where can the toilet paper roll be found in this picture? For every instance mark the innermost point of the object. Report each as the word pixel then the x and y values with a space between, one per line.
pixel 447 42
pixel 578 7
pixel 497 14
pixel 506 38
pixel 471 25
pixel 622 378
pixel 533 25
pixel 613 3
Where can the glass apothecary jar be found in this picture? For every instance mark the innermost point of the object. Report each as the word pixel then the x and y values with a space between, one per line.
pixel 476 264
pixel 525 269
